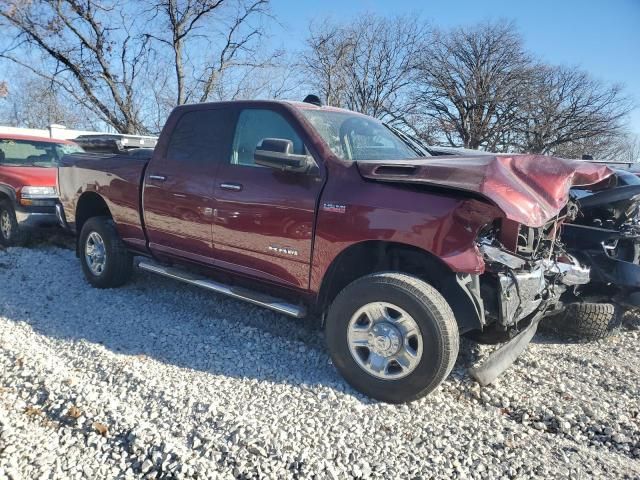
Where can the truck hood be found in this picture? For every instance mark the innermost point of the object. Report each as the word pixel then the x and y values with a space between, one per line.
pixel 528 189
pixel 18 177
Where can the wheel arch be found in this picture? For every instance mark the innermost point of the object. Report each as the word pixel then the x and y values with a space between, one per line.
pixel 365 258
pixel 90 204
pixel 7 193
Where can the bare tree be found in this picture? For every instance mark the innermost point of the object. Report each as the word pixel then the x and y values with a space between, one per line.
pixel 208 38
pixel 471 84
pixel 627 149
pixel 276 81
pixel 623 147
pixel 325 61
pixel 567 106
pixel 36 103
pixel 88 48
pixel 368 65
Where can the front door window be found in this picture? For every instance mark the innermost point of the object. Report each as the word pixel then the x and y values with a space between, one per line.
pixel 253 126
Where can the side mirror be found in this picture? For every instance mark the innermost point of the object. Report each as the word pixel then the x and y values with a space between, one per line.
pixel 278 153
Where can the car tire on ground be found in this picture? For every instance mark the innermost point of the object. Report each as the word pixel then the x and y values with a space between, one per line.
pixel 10 232
pixel 589 321
pixel 392 336
pixel 105 260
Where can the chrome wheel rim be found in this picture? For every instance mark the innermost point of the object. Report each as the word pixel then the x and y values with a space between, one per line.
pixel 384 340
pixel 5 225
pixel 95 253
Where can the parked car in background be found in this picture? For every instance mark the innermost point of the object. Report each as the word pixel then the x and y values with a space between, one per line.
pixel 308 209
pixel 635 169
pixel 28 179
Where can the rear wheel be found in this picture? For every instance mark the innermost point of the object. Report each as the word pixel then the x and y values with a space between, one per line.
pixel 392 336
pixel 105 260
pixel 10 232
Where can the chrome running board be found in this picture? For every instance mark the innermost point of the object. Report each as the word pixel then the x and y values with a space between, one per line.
pixel 240 293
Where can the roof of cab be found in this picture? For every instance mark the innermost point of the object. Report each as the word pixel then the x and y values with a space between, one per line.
pixel 253 103
pixel 311 106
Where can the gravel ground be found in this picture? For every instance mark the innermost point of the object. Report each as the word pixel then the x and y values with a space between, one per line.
pixel 160 379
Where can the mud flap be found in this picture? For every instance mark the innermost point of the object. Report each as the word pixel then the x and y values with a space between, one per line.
pixel 504 356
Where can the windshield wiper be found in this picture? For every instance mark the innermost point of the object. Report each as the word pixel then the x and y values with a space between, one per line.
pixel 411 142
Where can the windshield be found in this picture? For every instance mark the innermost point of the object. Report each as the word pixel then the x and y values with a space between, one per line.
pixel 30 153
pixel 356 137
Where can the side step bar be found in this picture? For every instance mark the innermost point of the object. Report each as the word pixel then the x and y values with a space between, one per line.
pixel 256 298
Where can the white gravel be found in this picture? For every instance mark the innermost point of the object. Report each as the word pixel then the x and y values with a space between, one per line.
pixel 159 379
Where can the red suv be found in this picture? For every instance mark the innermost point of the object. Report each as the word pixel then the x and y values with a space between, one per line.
pixel 28 175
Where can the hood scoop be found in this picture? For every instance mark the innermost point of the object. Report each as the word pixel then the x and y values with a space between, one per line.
pixel 396 170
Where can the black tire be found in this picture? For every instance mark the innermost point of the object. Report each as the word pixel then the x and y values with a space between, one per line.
pixel 589 321
pixel 118 264
pixel 15 235
pixel 431 313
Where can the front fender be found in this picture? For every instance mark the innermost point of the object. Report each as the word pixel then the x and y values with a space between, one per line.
pixel 444 226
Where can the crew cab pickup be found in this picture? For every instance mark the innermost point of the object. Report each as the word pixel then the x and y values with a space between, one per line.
pixel 313 210
pixel 28 176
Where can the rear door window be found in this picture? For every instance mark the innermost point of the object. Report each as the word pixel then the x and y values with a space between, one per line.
pixel 201 136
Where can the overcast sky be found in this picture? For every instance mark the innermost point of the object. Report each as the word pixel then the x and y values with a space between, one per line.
pixel 601 36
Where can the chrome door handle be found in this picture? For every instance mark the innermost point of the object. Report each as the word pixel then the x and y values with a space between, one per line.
pixel 235 187
pixel 160 178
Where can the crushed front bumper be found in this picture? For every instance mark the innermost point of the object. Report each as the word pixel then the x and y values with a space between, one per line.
pixel 524 287
pixel 526 291
pixel 505 355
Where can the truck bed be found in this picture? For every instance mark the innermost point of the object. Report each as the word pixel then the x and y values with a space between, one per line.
pixel 118 180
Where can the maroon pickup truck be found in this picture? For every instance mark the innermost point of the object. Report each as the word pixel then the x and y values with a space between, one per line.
pixel 306 209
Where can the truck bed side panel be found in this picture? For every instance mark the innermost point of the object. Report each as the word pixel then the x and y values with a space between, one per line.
pixel 117 179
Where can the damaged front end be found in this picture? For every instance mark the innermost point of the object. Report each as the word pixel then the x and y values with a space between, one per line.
pixel 528 273
pixel 528 270
pixel 530 276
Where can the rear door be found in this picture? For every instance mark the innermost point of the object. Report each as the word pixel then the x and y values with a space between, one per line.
pixel 265 217
pixel 178 193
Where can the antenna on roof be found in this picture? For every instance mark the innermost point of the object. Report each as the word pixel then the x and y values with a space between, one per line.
pixel 313 100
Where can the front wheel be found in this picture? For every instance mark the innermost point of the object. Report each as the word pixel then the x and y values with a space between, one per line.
pixel 105 260
pixel 392 336
pixel 10 232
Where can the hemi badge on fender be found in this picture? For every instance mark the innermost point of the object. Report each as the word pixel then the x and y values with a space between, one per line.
pixel 334 207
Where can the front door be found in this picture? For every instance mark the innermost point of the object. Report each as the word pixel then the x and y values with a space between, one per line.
pixel 264 218
pixel 179 182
